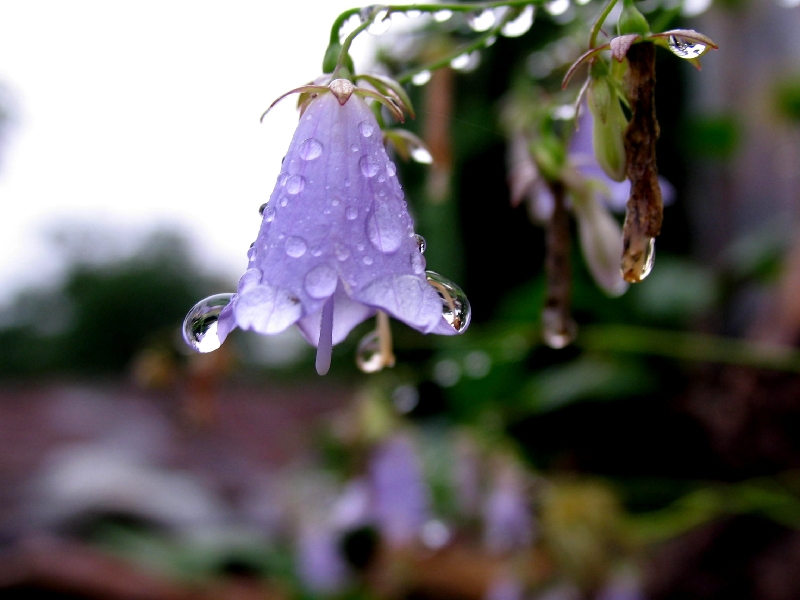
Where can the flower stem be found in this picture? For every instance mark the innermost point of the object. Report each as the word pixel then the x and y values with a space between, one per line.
pixel 476 44
pixel 599 23
pixel 388 9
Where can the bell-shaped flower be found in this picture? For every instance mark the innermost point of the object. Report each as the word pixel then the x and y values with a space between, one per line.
pixel 336 243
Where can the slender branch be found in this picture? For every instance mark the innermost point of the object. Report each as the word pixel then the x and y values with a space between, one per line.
pixel 424 8
pixel 599 23
pixel 476 44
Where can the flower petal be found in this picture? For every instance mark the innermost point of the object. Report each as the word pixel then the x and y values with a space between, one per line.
pixel 336 219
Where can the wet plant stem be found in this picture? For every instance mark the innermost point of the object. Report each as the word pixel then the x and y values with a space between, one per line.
pixel 386 10
pixel 599 23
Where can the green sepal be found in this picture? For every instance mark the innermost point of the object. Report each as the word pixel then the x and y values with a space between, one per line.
pixel 632 21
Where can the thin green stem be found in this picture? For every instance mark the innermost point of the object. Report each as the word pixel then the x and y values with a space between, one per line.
pixel 404 8
pixel 476 44
pixel 684 345
pixel 599 23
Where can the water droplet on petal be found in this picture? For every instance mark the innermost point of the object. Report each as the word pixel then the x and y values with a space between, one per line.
pixel 421 243
pixel 466 62
pixel 369 358
pixel 283 201
pixel 421 78
pixel 310 149
pixel 366 128
pixel 267 309
pixel 200 324
pixel 249 278
pixel 354 148
pixel 295 184
pixel 320 282
pixel 283 177
pixel 269 213
pixel 417 263
pixel 520 25
pixel 367 260
pixel 384 230
pixel 455 306
pixel 482 21
pixel 342 252
pixel 684 48
pixel 381 23
pixel 558 328
pixel 261 209
pixel 295 246
pixel 440 16
pixel 421 155
pixel 351 213
pixel 391 169
pixel 369 166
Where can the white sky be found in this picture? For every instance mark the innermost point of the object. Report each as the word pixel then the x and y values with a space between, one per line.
pixel 132 114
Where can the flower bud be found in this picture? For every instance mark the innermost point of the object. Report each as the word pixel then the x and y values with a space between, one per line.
pixel 550 155
pixel 631 20
pixel 608 128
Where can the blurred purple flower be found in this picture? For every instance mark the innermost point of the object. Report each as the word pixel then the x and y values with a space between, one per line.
pixel 336 242
pixel 623 586
pixel 320 563
pixel 399 492
pixel 504 587
pixel 507 518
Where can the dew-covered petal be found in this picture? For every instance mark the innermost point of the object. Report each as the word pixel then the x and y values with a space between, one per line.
pixel 408 298
pixel 267 309
pixel 336 223
pixel 347 314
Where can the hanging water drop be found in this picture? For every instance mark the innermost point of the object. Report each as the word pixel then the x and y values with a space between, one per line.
pixel 684 48
pixel 421 155
pixel 421 243
pixel 558 328
pixel 421 78
pixel 200 324
pixel 557 8
pixel 310 149
pixel 369 358
pixel 482 21
pixel 637 264
pixel 380 24
pixel 261 208
pixel 455 306
pixel 520 25
pixel 440 16
pixel 466 62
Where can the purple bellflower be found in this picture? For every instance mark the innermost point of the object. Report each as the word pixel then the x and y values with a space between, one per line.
pixel 336 244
